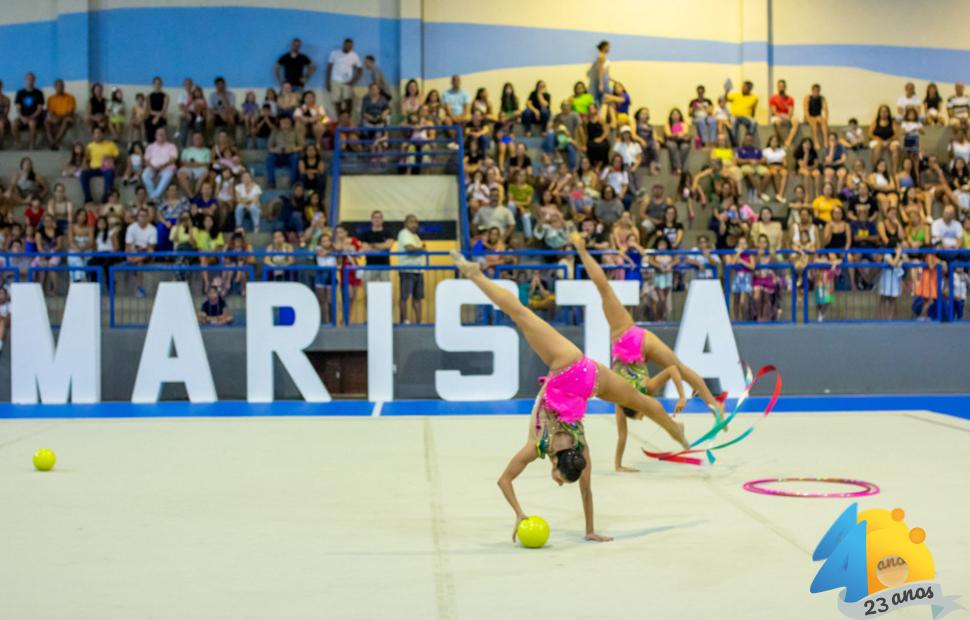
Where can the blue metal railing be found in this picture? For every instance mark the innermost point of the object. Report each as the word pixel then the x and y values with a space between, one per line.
pixel 799 278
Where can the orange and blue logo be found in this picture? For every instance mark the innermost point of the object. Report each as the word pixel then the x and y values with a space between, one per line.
pixel 882 564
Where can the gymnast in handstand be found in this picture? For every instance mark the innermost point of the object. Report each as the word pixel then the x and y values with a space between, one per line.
pixel 556 422
pixel 633 347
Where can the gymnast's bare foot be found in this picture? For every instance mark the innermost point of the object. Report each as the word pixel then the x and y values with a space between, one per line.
pixel 466 267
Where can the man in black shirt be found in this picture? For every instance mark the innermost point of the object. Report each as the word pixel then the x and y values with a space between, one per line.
pixel 377 239
pixel 30 110
pixel 296 67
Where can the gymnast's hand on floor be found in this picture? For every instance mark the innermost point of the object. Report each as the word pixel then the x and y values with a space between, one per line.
pixel 624 469
pixel 515 528
pixel 593 536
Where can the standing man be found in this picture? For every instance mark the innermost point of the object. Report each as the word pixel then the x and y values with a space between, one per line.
pixel 375 75
pixel 30 110
pixel 377 239
pixel 412 280
pixel 456 102
pixel 743 106
pixel 343 71
pixel 782 108
pixel 294 67
pixel 101 156
pixel 186 114
pixel 61 108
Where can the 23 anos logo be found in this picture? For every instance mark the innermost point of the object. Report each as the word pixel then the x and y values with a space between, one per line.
pixel 882 564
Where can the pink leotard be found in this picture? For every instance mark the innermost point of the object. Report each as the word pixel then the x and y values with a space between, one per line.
pixel 567 391
pixel 628 348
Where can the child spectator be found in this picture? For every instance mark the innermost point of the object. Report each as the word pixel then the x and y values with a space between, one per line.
pixel 116 114
pixel 135 165
pixel 853 137
pixel 139 115
pixel 75 161
pixel 215 310
pixel 742 266
pixel 890 284
pixel 326 276
pixel 825 285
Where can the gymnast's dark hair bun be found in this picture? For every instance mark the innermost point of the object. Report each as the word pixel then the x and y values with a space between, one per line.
pixel 630 413
pixel 571 464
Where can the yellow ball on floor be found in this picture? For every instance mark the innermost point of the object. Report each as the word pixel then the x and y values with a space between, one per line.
pixel 44 459
pixel 533 532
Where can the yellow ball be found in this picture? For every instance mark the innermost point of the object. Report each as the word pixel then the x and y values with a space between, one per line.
pixel 44 459
pixel 533 532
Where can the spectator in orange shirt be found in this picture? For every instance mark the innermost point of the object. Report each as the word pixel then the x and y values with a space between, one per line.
pixel 61 108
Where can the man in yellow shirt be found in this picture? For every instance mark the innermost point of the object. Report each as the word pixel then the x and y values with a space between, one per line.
pixel 743 106
pixel 101 155
pixel 60 117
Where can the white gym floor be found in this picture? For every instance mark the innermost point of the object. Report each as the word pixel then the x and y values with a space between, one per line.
pixel 400 517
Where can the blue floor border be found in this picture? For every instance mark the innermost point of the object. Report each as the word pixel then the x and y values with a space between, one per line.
pixel 956 405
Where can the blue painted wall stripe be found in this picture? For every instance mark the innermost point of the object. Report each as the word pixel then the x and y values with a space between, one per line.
pixel 130 45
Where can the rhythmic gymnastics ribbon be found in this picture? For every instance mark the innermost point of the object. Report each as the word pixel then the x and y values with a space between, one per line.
pixel 709 437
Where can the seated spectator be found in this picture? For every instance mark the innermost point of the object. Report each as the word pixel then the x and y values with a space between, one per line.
pixel 248 200
pixel 707 263
pixel 249 113
pixel 782 118
pixel 167 216
pixel 653 208
pixel 101 155
pixel 75 161
pixel 48 239
pixel 117 114
pixel 931 105
pixel 581 99
pixel 114 211
pixel 181 236
pixel 160 159
pixel 777 174
pixel 752 166
pixel 618 178
pixel 701 111
pixel 139 117
pixel 97 108
pixel 318 226
pixel 608 207
pixel 816 109
pixel 770 229
pixel 222 111
pixel 311 118
pixel 60 206
pixel 677 141
pixel 312 170
pixel 262 128
pixel 908 100
pixel 824 204
pixel 294 67
pixel 670 229
pixel 134 164
pixel 215 310
pixel 806 166
pixel 884 133
pixel 631 153
pixel 958 107
pixel 833 163
pixel 225 157
pixel 553 231
pixel 456 103
pixel 285 145
pixel 287 102
pixel 743 108
pixel 538 109
pixel 61 115
pixel 883 184
pixel 853 138
pixel 140 237
pixel 647 140
pixel 205 203
pixel 946 231
pixel 959 147
pixel 279 255
pixel 479 130
pixel 496 215
pixel 195 165
pixel 25 184
pixel 411 101
pixel 30 111
pixel 238 257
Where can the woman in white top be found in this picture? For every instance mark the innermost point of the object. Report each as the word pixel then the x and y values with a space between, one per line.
pixel 774 155
pixel 247 199
pixel 960 146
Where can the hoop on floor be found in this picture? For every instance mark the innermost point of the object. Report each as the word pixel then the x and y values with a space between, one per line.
pixel 755 486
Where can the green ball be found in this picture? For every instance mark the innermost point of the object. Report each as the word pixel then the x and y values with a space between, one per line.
pixel 44 459
pixel 533 532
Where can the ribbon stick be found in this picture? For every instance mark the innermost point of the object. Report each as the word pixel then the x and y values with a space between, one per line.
pixel 710 436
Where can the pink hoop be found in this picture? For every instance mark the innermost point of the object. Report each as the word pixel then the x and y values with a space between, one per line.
pixel 868 488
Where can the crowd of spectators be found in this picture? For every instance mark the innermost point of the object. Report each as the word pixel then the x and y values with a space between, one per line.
pixel 809 194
